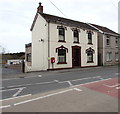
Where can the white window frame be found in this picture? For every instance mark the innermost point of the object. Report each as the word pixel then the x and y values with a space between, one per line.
pixel 109 56
pixel 108 43
pixel 116 56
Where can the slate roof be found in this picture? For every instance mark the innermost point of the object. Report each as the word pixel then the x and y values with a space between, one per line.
pixel 104 29
pixel 63 21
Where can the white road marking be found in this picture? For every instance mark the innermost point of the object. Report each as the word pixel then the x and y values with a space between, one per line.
pixel 117 73
pixel 111 86
pixel 117 87
pixel 1 87
pixel 77 89
pixel 18 92
pixel 101 78
pixel 39 76
pixel 32 84
pixel 86 78
pixel 16 97
pixel 80 79
pixel 5 106
pixel 69 83
pixel 10 89
pixel 56 81
pixel 42 97
pixel 91 82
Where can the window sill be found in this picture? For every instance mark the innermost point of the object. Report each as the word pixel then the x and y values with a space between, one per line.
pixel 90 43
pixel 109 61
pixel 90 62
pixel 107 45
pixel 116 60
pixel 62 41
pixel 76 42
pixel 61 63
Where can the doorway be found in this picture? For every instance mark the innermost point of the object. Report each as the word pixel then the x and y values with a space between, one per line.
pixel 76 56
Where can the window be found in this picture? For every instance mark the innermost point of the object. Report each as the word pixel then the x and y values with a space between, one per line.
pixel 108 41
pixel 89 38
pixel 116 56
pixel 116 41
pixel 90 53
pixel 76 36
pixel 28 58
pixel 61 54
pixel 89 57
pixel 109 56
pixel 61 34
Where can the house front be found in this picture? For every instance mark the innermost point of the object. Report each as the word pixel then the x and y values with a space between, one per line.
pixel 108 46
pixel 59 43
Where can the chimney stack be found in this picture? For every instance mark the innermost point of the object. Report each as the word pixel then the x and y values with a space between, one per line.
pixel 40 8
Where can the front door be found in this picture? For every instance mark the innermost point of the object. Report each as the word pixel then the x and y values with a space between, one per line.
pixel 76 56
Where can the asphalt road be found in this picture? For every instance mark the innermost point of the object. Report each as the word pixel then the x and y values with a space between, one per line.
pixel 40 83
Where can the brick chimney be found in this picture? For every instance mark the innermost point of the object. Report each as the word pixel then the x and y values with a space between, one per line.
pixel 40 8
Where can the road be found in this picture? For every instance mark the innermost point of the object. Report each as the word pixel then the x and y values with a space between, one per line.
pixel 76 90
pixel 50 81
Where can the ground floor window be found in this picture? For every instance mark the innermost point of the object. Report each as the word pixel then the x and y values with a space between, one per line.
pixel 90 53
pixel 28 57
pixel 61 54
pixel 116 56
pixel 89 57
pixel 109 56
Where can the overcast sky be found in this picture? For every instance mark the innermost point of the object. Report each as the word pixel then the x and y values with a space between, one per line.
pixel 17 17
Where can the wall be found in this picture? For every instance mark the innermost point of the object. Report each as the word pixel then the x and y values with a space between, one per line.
pixel 28 65
pixel 112 48
pixel 69 43
pixel 40 48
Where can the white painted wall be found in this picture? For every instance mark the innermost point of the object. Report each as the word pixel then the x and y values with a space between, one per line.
pixel 40 48
pixel 69 43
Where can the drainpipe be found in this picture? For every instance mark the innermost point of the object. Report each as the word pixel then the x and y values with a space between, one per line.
pixel 48 45
pixel 104 49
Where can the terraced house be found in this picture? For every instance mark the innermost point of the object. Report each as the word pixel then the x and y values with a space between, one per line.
pixel 108 46
pixel 59 43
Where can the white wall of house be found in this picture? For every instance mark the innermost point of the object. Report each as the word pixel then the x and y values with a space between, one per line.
pixel 83 37
pixel 40 48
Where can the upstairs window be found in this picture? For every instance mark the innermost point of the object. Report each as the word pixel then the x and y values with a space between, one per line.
pixel 76 36
pixel 61 34
pixel 108 41
pixel 89 37
pixel 116 41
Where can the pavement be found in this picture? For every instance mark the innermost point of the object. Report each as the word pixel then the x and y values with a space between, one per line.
pixel 14 73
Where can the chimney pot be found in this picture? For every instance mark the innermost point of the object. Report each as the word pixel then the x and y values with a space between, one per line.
pixel 40 8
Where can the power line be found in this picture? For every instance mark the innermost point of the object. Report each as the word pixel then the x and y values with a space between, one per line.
pixel 57 8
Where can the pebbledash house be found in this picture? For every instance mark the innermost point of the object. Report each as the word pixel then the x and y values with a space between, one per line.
pixel 59 43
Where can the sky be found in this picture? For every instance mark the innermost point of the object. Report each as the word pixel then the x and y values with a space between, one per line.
pixel 16 17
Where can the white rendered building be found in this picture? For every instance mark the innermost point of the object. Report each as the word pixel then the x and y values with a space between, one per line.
pixel 59 43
